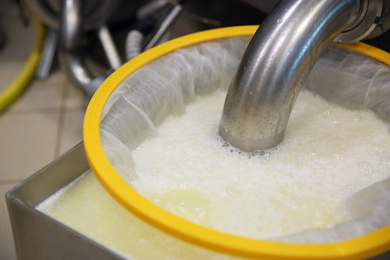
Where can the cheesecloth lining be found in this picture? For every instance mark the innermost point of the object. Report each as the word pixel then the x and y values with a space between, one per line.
pixel 165 85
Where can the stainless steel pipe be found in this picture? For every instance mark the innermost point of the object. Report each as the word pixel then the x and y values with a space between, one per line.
pixel 69 54
pixel 275 67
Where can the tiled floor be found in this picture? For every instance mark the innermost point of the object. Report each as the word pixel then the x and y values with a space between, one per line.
pixel 41 125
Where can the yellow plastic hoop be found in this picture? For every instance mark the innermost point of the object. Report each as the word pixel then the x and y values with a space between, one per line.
pixel 361 247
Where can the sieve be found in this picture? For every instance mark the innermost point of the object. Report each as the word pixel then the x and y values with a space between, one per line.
pixel 364 246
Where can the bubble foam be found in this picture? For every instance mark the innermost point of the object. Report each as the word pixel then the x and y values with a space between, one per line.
pixel 328 154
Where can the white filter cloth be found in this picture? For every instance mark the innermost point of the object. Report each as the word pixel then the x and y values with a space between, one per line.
pixel 164 86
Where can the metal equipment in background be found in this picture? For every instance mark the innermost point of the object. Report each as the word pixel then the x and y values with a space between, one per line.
pixel 67 20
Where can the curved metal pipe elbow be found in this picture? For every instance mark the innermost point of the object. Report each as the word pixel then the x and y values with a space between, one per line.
pixel 78 73
pixel 275 66
pixel 70 57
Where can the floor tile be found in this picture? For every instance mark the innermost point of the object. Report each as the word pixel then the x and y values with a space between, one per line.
pixel 9 70
pixel 74 97
pixel 27 143
pixel 42 94
pixel 72 129
pixel 7 248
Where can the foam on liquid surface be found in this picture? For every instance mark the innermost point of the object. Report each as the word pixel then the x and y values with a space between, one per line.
pixel 328 154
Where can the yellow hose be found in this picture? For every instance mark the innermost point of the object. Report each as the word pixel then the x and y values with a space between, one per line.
pixel 25 76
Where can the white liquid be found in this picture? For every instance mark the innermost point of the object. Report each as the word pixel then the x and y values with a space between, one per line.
pixel 86 207
pixel 328 154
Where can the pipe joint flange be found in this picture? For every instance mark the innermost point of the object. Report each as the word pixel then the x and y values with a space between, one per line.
pixel 370 15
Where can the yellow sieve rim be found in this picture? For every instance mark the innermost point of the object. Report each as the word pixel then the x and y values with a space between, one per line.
pixel 361 247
